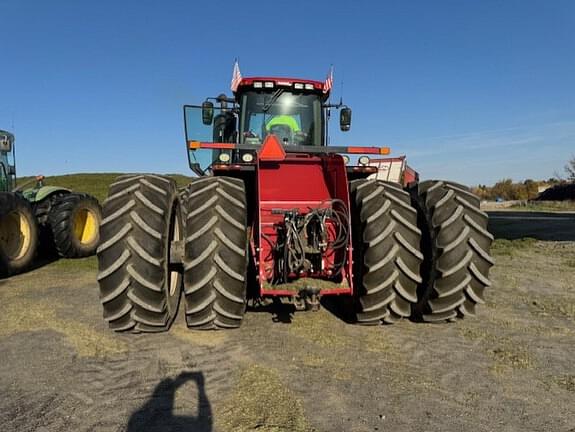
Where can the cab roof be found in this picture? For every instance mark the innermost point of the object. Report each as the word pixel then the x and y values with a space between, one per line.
pixel 282 82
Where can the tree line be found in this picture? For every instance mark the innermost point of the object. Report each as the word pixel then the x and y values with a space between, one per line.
pixel 506 189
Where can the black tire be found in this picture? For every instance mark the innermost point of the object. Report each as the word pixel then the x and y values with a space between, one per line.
pixel 139 289
pixel 74 220
pixel 456 246
pixel 183 197
pixel 216 253
pixel 387 258
pixel 18 234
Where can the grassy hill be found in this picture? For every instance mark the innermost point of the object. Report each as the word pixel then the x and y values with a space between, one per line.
pixel 93 184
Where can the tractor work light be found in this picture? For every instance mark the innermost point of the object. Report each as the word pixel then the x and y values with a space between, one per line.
pixel 224 157
pixel 345 159
pixel 269 84
pixel 309 86
pixel 363 160
pixel 247 157
pixel 298 86
pixel 258 84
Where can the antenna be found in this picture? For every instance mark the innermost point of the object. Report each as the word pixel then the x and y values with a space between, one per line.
pixel 341 90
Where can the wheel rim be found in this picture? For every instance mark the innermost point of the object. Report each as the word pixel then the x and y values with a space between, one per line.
pixel 85 226
pixel 15 235
pixel 174 275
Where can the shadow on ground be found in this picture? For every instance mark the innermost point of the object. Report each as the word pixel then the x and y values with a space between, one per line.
pixel 158 413
pixel 279 312
pixel 512 225
pixel 46 254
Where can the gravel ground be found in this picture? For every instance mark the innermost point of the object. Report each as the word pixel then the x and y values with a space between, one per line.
pixel 510 368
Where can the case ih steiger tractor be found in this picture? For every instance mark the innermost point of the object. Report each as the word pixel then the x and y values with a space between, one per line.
pixel 69 220
pixel 276 213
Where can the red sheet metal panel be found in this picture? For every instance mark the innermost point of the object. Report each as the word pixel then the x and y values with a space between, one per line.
pixel 299 182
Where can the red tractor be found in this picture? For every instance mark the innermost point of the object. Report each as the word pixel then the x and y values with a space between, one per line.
pixel 277 213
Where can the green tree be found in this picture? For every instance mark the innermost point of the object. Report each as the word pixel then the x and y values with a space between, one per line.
pixel 503 189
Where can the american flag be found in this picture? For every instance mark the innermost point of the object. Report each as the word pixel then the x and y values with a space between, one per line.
pixel 328 83
pixel 236 76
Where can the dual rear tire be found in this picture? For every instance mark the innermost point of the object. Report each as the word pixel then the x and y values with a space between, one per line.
pixel 144 259
pixel 423 254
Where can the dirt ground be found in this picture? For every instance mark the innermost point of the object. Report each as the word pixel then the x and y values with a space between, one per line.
pixel 509 369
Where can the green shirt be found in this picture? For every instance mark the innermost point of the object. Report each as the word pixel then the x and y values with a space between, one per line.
pixel 284 120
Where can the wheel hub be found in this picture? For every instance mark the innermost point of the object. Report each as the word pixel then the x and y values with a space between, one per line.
pixel 85 226
pixel 15 235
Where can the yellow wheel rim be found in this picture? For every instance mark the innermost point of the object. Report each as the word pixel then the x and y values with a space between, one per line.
pixel 15 235
pixel 85 226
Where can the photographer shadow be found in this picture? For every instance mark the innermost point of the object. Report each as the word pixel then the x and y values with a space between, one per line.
pixel 158 413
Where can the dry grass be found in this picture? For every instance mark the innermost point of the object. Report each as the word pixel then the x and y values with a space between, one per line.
pixel 566 382
pixel 320 327
pixel 22 315
pixel 25 306
pixel 546 206
pixel 377 341
pixel 261 402
pixel 511 355
pixel 505 352
pixel 195 337
pixel 82 265
pixel 553 306
pixel 505 247
pixel 477 334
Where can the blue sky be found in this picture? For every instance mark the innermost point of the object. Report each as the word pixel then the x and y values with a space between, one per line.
pixel 472 91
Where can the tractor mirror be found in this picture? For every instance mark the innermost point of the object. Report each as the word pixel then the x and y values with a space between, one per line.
pixel 5 144
pixel 345 119
pixel 11 170
pixel 207 113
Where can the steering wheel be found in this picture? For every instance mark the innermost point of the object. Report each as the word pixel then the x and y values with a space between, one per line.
pixel 283 132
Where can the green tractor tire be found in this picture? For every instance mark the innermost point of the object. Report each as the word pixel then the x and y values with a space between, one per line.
pixel 75 223
pixel 18 234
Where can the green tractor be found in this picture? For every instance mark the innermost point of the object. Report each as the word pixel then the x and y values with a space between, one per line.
pixel 70 220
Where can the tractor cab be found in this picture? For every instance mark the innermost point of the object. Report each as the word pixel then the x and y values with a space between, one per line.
pixel 291 110
pixel 7 167
pixel 295 111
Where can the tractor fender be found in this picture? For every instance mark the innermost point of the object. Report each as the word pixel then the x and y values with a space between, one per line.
pixel 44 192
